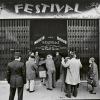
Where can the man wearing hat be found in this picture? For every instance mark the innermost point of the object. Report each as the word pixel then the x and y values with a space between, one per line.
pixel 16 76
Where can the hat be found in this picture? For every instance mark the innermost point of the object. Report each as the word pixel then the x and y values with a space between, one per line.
pixel 67 58
pixel 32 54
pixel 92 59
pixel 17 54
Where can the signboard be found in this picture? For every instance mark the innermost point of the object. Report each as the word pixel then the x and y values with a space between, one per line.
pixel 50 9
pixel 48 35
pixel 51 44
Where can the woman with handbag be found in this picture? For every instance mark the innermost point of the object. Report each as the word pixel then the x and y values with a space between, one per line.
pixel 93 75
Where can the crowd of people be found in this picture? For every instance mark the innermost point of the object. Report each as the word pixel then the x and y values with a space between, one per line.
pixel 49 69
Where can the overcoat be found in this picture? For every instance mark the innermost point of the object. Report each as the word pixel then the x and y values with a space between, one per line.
pixel 50 65
pixel 31 68
pixel 16 74
pixel 73 71
pixel 93 74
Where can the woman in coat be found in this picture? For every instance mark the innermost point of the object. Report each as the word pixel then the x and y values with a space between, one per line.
pixel 31 68
pixel 93 75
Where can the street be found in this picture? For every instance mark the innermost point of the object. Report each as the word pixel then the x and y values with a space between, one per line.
pixel 41 93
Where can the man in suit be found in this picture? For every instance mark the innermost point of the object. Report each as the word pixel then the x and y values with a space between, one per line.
pixel 16 76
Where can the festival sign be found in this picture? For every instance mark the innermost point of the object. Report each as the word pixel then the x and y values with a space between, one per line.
pixel 50 9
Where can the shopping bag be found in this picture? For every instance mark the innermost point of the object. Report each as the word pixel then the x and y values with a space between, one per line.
pixel 42 74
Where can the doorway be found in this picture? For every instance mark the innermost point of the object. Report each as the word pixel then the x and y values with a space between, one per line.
pixel 48 36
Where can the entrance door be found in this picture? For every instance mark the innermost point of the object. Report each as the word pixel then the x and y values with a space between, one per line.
pixel 48 36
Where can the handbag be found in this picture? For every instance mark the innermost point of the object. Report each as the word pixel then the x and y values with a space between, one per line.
pixel 91 82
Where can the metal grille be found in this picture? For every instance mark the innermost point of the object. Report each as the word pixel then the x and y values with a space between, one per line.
pixel 14 35
pixel 83 37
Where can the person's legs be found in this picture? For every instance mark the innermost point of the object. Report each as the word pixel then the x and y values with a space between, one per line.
pixel 65 84
pixel 27 85
pixel 54 79
pixel 65 87
pixel 32 85
pixel 49 80
pixel 93 90
pixel 72 88
pixel 12 93
pixel 20 93
pixel 57 73
pixel 44 81
pixel 68 91
pixel 75 91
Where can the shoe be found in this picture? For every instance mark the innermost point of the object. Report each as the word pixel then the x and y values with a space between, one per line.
pixel 32 91
pixel 49 89
pixel 69 96
pixel 93 92
pixel 54 87
pixel 27 89
pixel 75 95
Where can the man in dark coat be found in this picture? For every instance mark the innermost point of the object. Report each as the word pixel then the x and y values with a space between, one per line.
pixel 57 61
pixel 16 77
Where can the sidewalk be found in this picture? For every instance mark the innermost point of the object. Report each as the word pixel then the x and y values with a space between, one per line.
pixel 42 93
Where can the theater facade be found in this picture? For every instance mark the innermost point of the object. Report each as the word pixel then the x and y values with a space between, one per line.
pixel 48 27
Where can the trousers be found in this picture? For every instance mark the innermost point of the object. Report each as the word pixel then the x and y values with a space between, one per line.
pixel 13 91
pixel 72 89
pixel 30 85
pixel 51 79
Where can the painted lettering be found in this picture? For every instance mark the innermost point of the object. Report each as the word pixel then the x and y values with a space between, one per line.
pixel 18 7
pixel 27 8
pixel 37 8
pixel 58 7
pixel 45 6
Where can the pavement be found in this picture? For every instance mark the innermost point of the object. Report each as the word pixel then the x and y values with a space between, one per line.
pixel 41 93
